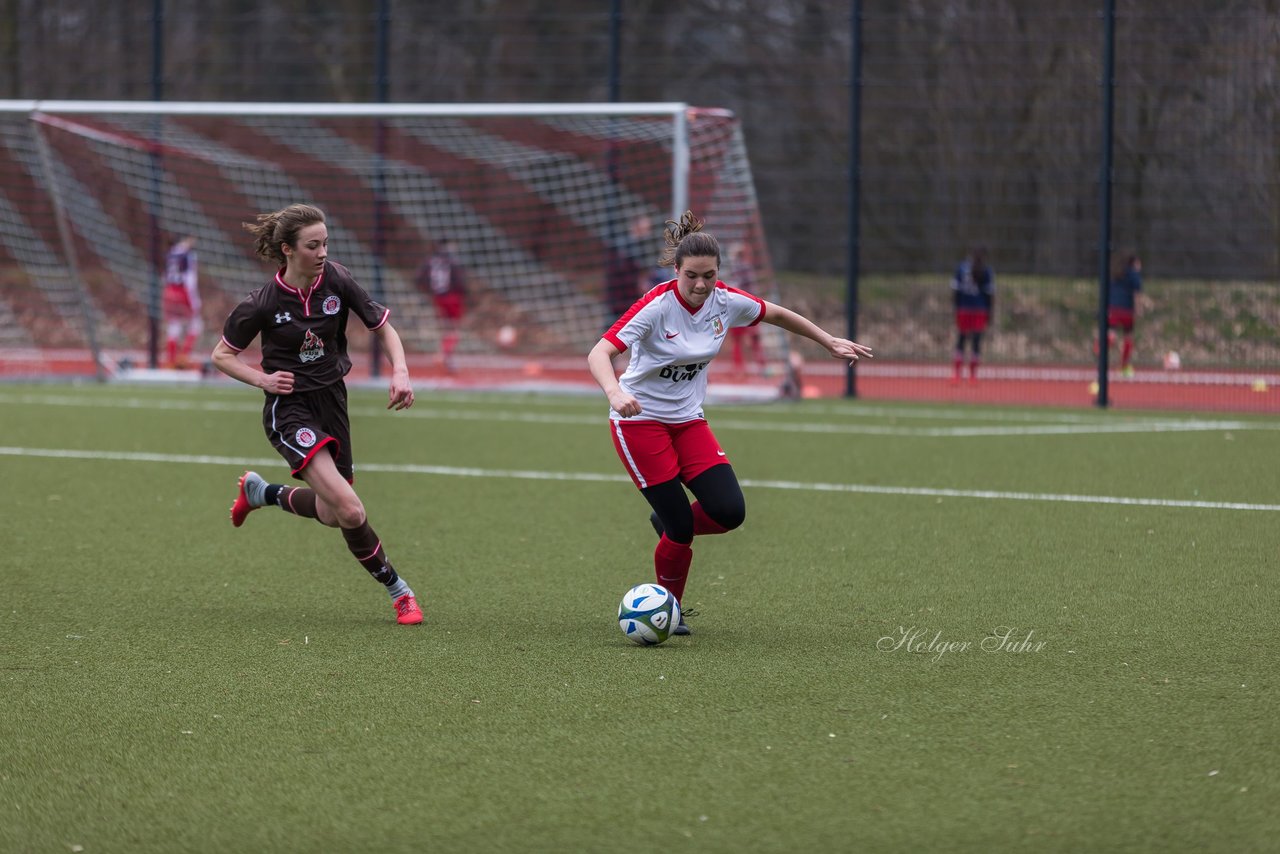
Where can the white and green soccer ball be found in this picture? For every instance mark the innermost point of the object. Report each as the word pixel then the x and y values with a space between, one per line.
pixel 648 614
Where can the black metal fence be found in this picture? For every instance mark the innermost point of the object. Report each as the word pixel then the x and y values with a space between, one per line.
pixel 980 122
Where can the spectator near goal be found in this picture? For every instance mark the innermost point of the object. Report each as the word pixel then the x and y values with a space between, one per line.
pixel 442 277
pixel 627 273
pixel 745 338
pixel 973 291
pixel 182 322
pixel 1122 306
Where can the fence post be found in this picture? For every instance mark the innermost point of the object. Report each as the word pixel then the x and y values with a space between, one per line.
pixel 153 205
pixel 855 187
pixel 1104 191
pixel 382 86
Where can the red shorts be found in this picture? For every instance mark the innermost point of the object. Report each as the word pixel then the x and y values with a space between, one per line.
pixel 449 305
pixel 1120 318
pixel 177 304
pixel 654 452
pixel 971 320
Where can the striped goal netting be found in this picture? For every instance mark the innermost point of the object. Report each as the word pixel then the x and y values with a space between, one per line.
pixel 554 214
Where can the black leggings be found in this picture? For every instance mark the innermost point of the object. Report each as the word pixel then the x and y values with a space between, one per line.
pixel 975 337
pixel 716 489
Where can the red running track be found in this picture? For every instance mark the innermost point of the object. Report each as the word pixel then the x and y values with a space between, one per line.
pixel 1243 391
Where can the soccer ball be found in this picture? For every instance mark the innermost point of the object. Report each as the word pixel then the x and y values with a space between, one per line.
pixel 648 613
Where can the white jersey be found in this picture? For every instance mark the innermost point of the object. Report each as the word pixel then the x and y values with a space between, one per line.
pixel 180 272
pixel 672 343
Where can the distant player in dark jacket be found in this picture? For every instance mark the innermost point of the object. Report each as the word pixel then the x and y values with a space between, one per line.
pixel 745 338
pixel 1126 281
pixel 301 318
pixel 627 273
pixel 973 291
pixel 442 277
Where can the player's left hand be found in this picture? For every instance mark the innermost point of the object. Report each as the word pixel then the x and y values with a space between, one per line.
pixel 400 395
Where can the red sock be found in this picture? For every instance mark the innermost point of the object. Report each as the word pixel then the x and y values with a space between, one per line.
pixel 973 368
pixel 173 350
pixel 671 565
pixel 957 362
pixel 704 524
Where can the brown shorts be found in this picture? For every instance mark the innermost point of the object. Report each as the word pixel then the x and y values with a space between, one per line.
pixel 298 425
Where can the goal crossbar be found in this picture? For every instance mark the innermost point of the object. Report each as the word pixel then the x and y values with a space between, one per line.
pixel 543 205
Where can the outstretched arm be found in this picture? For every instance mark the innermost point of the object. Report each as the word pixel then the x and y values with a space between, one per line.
pixel 839 348
pixel 400 393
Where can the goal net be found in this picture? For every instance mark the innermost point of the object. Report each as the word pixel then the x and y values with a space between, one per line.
pixel 554 214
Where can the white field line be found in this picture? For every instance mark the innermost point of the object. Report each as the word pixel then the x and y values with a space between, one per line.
pixel 525 474
pixel 1057 424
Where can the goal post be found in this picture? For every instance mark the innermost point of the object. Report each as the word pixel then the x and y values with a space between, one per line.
pixel 541 203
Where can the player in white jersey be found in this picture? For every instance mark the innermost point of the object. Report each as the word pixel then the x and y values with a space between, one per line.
pixel 183 323
pixel 659 431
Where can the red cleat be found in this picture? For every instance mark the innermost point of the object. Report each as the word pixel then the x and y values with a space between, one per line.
pixel 242 506
pixel 407 611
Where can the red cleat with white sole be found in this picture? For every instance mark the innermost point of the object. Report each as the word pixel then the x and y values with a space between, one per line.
pixel 242 506
pixel 407 611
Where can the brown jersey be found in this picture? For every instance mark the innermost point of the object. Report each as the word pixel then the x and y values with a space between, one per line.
pixel 304 331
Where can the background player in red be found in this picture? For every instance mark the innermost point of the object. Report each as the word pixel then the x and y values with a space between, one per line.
pixel 301 317
pixel 182 322
pixel 442 277
pixel 745 338
pixel 627 275
pixel 1122 293
pixel 974 291
pixel 659 430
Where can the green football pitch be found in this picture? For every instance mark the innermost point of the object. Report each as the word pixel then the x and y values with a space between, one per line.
pixel 949 628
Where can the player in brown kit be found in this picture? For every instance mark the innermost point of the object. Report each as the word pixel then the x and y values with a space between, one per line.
pixel 301 318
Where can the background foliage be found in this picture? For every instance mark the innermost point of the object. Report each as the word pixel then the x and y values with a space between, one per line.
pixel 980 120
